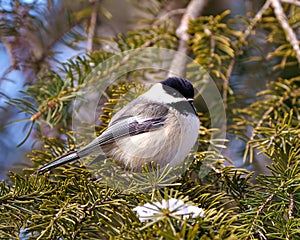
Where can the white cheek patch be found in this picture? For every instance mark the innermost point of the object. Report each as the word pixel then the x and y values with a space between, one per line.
pixel 160 95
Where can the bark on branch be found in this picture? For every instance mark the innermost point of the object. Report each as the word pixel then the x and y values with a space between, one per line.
pixel 178 64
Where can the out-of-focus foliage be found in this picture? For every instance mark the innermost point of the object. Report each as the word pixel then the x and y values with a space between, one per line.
pixel 281 99
pixel 215 40
pixel 26 32
pixel 272 206
pixel 69 203
pixel 276 35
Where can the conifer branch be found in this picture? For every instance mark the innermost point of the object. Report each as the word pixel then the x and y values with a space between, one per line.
pixel 50 105
pixel 261 208
pixel 137 50
pixel 256 19
pixel 260 122
pixel 53 102
pixel 263 118
pixel 290 35
pixel 71 205
pixel 246 34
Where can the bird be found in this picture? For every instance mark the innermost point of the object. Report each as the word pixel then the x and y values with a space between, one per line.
pixel 160 126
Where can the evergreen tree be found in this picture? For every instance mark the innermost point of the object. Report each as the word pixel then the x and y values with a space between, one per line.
pixel 214 199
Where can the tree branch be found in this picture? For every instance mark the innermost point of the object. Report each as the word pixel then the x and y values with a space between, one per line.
pixel 171 13
pixel 261 208
pixel 193 10
pixel 92 27
pixel 295 2
pixel 292 205
pixel 257 17
pixel 289 32
pixel 246 34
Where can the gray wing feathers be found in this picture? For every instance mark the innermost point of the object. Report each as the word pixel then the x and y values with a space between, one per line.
pixel 140 116
pixel 69 157
pixel 126 127
pixel 148 117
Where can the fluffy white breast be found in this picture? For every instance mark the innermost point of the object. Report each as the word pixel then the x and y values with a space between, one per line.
pixel 167 145
pixel 189 129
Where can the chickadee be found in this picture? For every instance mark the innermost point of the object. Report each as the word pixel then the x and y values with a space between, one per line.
pixel 160 126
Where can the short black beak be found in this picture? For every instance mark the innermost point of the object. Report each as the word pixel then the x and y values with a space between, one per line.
pixel 191 101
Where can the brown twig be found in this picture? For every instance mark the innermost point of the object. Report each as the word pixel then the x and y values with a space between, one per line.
pixel 50 105
pixel 291 206
pixel 261 208
pixel 260 122
pixel 295 2
pixel 170 14
pixel 246 34
pixel 290 35
pixel 226 81
pixel 265 115
pixel 283 21
pixel 257 17
pixel 178 63
pixel 92 27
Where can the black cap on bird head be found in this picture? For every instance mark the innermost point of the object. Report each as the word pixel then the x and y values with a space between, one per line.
pixel 181 85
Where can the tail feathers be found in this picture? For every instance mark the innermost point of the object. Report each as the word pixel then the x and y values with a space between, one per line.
pixel 69 157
